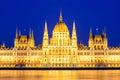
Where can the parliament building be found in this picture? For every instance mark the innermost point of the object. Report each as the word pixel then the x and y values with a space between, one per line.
pixel 60 50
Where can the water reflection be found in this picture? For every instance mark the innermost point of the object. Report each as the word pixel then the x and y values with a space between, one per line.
pixel 59 75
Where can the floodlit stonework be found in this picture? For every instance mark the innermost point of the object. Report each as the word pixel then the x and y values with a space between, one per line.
pixel 60 50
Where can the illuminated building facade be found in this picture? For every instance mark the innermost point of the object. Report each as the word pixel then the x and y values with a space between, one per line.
pixel 60 50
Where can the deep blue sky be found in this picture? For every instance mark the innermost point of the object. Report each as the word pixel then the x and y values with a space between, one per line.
pixel 23 14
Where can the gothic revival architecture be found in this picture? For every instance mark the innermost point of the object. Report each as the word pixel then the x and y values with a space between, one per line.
pixel 60 50
pixel 23 41
pixel 98 41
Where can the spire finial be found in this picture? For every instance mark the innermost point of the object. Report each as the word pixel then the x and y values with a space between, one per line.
pixel 90 29
pixel 74 25
pixel 30 32
pixel 45 25
pixel 19 33
pixel 60 15
pixel 3 44
pixel 90 32
pixel 16 32
pixel 104 32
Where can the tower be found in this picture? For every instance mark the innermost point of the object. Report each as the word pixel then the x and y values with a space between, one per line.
pixel 98 41
pixel 17 35
pixel 60 34
pixel 74 40
pixel 24 41
pixel 104 33
pixel 45 37
pixel 30 33
pixel 105 38
pixel 90 41
pixel 74 36
pixel 31 41
pixel 16 38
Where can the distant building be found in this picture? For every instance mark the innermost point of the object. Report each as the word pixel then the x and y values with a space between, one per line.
pixel 60 50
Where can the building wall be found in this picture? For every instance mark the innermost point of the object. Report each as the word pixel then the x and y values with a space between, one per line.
pixel 85 58
pixel 60 50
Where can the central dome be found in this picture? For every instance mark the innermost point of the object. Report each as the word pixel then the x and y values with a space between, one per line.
pixel 60 26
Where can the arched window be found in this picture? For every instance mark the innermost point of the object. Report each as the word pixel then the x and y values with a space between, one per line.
pixel 98 47
pixel 50 52
pixel 95 46
pixel 96 40
pixel 74 52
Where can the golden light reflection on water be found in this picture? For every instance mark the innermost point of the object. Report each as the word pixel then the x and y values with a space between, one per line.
pixel 59 75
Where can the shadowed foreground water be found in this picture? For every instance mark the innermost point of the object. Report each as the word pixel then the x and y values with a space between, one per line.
pixel 60 75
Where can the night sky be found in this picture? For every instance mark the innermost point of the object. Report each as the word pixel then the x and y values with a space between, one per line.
pixel 23 14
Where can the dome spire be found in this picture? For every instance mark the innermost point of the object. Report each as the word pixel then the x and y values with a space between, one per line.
pixel 60 19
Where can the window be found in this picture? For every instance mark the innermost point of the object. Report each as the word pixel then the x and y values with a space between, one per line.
pixel 74 52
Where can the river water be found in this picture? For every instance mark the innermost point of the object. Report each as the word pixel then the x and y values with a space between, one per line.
pixel 59 74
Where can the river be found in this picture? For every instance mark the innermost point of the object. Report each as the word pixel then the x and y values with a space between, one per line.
pixel 59 74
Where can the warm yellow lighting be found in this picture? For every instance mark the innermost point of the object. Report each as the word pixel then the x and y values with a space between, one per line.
pixel 60 50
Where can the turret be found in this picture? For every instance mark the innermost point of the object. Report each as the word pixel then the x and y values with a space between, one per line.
pixel 17 35
pixel 24 41
pixel 16 38
pixel 74 36
pixel 90 41
pixel 105 38
pixel 3 45
pixel 30 34
pixel 31 38
pixel 45 37
pixel 98 41
pixel 90 35
pixel 104 33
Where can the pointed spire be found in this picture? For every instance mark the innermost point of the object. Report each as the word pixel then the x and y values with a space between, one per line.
pixel 90 33
pixel 60 19
pixel 17 33
pixel 74 36
pixel 45 36
pixel 104 32
pixel 45 25
pixel 45 31
pixel 91 30
pixel 74 25
pixel 30 35
pixel 3 44
pixel 74 31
